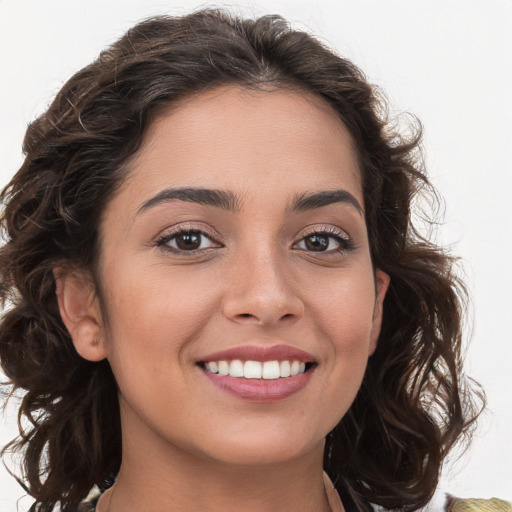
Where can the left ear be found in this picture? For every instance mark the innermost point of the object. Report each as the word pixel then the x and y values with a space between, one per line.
pixel 381 287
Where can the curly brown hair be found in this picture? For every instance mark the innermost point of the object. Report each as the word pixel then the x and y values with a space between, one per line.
pixel 414 403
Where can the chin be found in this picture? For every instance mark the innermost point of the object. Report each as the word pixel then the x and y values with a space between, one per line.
pixel 264 449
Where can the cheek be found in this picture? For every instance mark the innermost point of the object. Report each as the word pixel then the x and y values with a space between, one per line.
pixel 344 315
pixel 344 307
pixel 153 319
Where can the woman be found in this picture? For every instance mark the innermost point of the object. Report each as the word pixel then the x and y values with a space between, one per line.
pixel 213 288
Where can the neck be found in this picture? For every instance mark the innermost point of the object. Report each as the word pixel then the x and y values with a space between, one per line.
pixel 157 476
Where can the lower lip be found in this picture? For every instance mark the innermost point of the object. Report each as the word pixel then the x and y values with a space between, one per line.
pixel 260 390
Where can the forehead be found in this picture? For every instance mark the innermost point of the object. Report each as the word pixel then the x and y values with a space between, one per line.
pixel 248 141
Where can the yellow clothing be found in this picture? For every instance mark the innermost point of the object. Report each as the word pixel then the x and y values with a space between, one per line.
pixel 474 505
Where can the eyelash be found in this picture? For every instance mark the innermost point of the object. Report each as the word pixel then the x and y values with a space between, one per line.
pixel 344 243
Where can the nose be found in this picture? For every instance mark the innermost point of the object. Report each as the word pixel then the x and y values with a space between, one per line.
pixel 262 290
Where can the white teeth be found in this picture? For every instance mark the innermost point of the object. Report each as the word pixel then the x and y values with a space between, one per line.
pixel 223 368
pixel 269 370
pixel 236 368
pixel 212 367
pixel 252 370
pixel 284 368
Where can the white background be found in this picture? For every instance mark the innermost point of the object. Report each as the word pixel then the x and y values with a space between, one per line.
pixel 449 62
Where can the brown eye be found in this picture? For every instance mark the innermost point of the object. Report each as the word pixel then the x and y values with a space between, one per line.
pixel 316 242
pixel 186 241
pixel 325 241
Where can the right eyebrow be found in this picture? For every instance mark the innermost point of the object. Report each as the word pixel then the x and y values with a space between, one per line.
pixel 211 197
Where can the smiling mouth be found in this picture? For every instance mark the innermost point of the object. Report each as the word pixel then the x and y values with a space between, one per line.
pixel 258 373
pixel 263 370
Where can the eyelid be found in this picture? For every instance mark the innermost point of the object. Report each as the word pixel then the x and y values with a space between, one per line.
pixel 325 228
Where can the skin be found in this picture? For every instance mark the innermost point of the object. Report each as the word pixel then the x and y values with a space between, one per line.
pixel 254 280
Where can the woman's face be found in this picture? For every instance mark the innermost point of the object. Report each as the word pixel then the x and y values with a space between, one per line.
pixel 240 236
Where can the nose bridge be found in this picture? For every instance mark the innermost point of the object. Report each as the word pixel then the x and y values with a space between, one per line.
pixel 262 287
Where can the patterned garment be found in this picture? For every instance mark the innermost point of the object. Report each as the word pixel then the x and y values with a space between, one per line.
pixel 89 506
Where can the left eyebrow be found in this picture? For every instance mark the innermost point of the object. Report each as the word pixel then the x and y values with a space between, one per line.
pixel 310 201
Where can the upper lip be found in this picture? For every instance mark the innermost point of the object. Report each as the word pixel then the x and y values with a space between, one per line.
pixel 260 353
